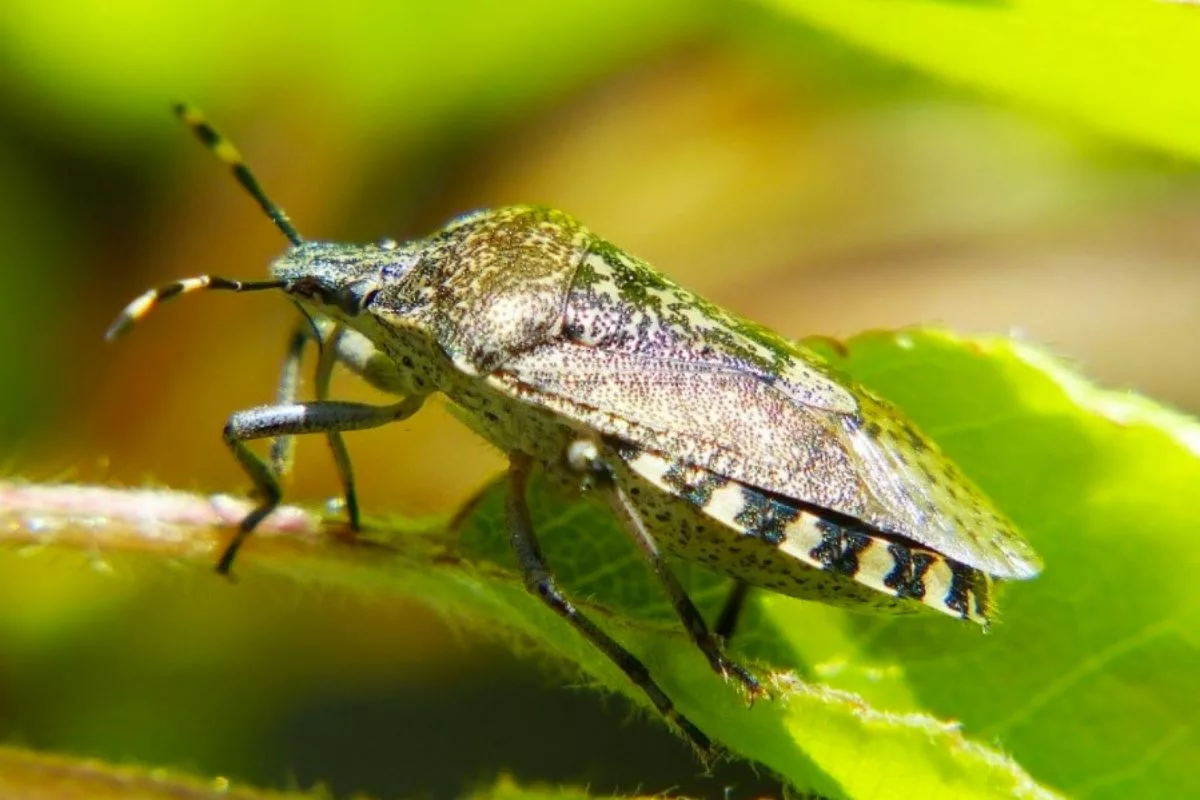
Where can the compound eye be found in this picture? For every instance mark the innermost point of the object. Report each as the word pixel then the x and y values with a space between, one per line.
pixel 348 303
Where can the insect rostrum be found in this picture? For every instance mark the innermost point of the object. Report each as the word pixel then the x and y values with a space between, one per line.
pixel 714 439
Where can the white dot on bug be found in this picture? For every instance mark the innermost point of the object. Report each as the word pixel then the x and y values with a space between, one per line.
pixel 581 455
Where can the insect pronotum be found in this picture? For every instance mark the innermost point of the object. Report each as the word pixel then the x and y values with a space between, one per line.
pixel 714 439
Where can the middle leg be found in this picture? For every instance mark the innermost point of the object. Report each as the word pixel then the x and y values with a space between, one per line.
pixel 540 582
pixel 585 458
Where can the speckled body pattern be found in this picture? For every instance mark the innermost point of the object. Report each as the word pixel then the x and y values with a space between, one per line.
pixel 742 451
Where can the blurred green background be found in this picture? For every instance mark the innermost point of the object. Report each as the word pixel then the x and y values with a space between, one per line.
pixel 763 164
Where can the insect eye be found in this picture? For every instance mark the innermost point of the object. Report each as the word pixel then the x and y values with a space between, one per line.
pixel 348 303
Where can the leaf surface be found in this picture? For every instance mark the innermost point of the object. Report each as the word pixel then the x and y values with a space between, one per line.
pixel 1083 685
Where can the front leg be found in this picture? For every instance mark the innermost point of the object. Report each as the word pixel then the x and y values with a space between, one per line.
pixel 336 345
pixel 323 416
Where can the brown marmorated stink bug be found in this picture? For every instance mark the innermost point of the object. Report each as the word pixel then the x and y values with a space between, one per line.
pixel 713 438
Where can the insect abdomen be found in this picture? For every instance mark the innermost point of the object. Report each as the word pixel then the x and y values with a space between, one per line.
pixel 770 542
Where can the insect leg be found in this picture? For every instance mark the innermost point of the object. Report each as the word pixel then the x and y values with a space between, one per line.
pixel 337 345
pixel 330 355
pixel 360 355
pixel 692 620
pixel 283 447
pixel 541 583
pixel 330 352
pixel 731 612
pixel 290 420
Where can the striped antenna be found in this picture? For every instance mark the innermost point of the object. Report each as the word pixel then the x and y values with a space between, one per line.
pixel 145 303
pixel 225 151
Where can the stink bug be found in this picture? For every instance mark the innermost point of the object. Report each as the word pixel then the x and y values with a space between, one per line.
pixel 714 439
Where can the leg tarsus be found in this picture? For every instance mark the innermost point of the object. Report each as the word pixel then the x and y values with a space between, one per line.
pixel 341 457
pixel 247 525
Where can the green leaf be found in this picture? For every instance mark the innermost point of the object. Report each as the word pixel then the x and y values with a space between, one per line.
pixel 508 789
pixel 31 775
pixel 1085 682
pixel 1125 67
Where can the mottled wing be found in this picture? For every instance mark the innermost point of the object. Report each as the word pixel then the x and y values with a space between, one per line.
pixel 739 426
pixel 925 492
pixel 644 360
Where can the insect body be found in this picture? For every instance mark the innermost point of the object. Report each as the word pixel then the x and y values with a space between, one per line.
pixel 714 439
